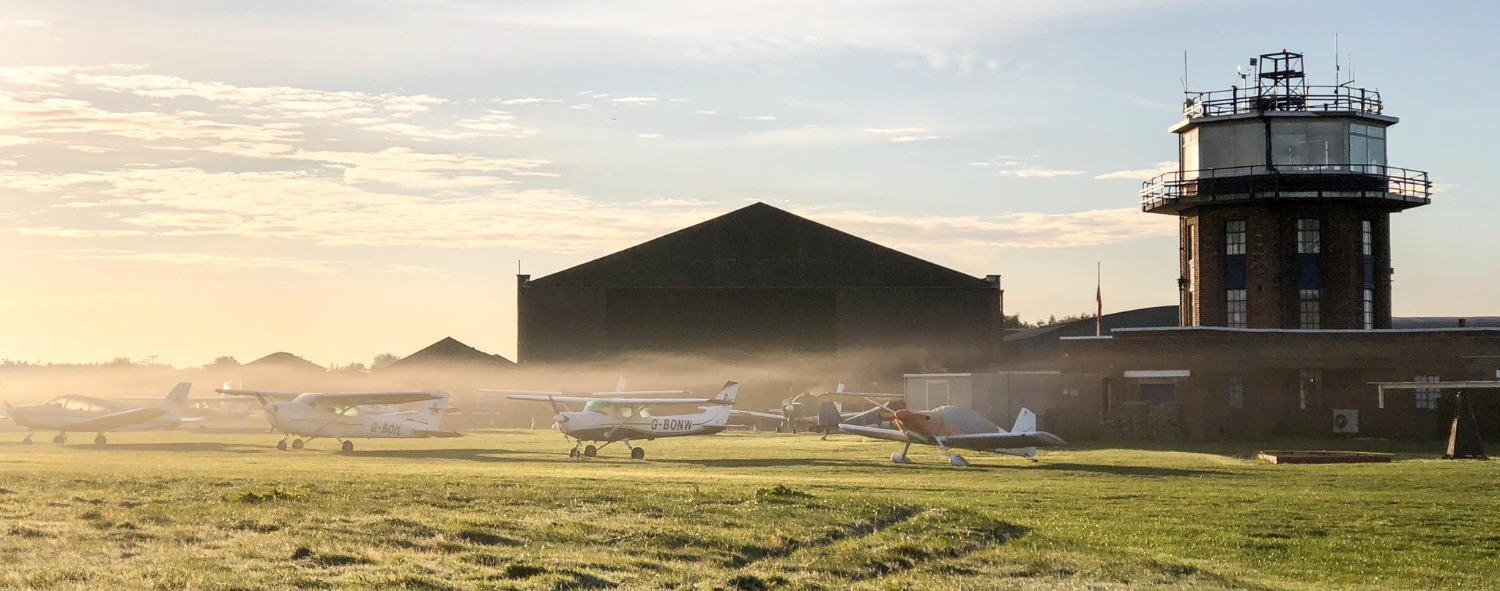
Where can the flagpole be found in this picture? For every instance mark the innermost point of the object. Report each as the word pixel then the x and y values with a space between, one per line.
pixel 1099 298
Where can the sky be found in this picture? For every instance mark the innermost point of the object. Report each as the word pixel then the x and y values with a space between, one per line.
pixel 184 180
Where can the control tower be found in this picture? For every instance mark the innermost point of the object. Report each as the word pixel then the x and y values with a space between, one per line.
pixel 1284 198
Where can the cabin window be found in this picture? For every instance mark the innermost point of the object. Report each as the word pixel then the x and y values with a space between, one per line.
pixel 1427 398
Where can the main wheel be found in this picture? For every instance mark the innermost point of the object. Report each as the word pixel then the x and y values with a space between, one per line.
pixel 590 451
pixel 347 446
pixel 27 440
pixel 900 458
pixel 59 438
pixel 573 453
pixel 638 453
pixel 281 445
pixel 298 443
pixel 958 460
pixel 100 440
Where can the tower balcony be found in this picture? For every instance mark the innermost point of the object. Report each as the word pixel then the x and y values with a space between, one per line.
pixel 1397 188
pixel 1238 101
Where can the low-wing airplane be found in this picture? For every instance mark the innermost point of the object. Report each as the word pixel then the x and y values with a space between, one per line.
pixel 799 409
pixel 212 411
pixel 954 427
pixel 76 413
pixel 622 418
pixel 339 416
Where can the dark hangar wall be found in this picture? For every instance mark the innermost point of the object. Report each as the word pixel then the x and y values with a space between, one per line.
pixel 757 280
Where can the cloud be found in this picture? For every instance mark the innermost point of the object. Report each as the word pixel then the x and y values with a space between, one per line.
pixel 1140 174
pixel 649 136
pixel 529 101
pixel 233 262
pixel 15 140
pixel 1039 173
pixel 706 112
pixel 914 138
pixel 757 118
pixel 283 101
pixel 582 106
pixel 56 232
pixel 25 23
pixel 679 100
pixel 904 135
pixel 896 130
pixel 957 235
pixel 633 100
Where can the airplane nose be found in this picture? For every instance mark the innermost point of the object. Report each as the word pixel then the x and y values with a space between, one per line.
pixel 560 418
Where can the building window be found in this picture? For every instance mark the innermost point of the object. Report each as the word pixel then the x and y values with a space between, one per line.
pixel 1368 247
pixel 1427 397
pixel 1308 237
pixel 1235 392
pixel 1236 309
pixel 1369 309
pixel 1309 308
pixel 1234 237
pixel 1366 148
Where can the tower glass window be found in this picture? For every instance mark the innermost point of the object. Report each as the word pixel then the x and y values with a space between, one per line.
pixel 1369 308
pixel 1236 309
pixel 1366 147
pixel 1309 238
pixel 1310 313
pixel 1235 393
pixel 1234 237
pixel 1368 240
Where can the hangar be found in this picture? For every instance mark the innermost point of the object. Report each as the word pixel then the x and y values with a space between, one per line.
pixel 759 280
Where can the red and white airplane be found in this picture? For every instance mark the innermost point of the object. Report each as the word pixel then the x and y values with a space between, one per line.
pixel 949 427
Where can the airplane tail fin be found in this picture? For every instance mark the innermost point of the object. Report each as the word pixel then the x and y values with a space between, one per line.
pixel 829 415
pixel 1025 422
pixel 177 398
pixel 432 411
pixel 728 394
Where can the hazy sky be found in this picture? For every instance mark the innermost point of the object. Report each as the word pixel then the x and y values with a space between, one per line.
pixel 341 179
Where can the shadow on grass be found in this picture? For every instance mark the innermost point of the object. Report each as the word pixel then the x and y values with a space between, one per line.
pixel 1118 470
pixel 469 454
pixel 235 448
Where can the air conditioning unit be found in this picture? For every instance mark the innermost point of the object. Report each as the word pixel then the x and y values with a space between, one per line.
pixel 1345 420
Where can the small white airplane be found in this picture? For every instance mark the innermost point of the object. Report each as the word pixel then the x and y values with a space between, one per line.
pixel 623 419
pixel 212 411
pixel 345 416
pixel 823 418
pixel 76 413
pixel 955 427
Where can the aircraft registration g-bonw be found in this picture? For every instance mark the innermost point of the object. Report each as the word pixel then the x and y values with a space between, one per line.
pixel 623 419
pixel 345 416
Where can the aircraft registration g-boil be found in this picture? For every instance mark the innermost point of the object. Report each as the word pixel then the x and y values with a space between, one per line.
pixel 348 415
pixel 953 427
pixel 75 413
pixel 797 409
pixel 621 418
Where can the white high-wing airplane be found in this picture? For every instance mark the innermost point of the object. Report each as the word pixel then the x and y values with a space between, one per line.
pixel 74 412
pixel 954 427
pixel 338 416
pixel 623 419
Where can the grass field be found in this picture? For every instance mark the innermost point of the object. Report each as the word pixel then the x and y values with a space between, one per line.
pixel 735 511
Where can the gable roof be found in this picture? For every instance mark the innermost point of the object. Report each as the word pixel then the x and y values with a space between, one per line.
pixel 760 246
pixel 449 351
pixel 284 360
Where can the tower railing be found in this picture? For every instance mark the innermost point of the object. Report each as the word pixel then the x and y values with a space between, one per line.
pixel 1248 100
pixel 1386 182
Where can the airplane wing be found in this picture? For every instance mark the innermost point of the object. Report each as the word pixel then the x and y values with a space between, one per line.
pixel 758 415
pixel 261 394
pixel 1005 440
pixel 113 421
pixel 363 398
pixel 617 401
pixel 875 432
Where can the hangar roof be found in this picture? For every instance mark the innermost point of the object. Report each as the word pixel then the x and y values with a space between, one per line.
pixel 760 246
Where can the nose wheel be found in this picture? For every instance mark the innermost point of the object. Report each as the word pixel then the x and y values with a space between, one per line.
pixel 60 438
pixel 27 440
pixel 100 440
pixel 347 446
pixel 590 451
pixel 298 443
pixel 281 445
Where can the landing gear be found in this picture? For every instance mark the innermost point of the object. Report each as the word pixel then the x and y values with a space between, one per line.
pixel 953 458
pixel 590 451
pixel 900 456
pixel 638 453
pixel 60 438
pixel 27 440
pixel 281 445
pixel 100 440
pixel 298 443
pixel 573 453
pixel 346 446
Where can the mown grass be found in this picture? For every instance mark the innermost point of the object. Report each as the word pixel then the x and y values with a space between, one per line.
pixel 736 511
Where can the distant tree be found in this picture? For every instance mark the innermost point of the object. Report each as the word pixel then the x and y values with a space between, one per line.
pixel 120 362
pixel 383 360
pixel 222 362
